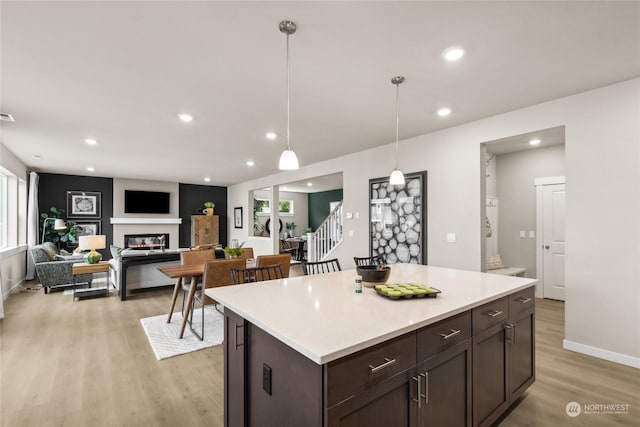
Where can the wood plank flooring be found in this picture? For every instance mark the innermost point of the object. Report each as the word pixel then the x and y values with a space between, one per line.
pixel 88 363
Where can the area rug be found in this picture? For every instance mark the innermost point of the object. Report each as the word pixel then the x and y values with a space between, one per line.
pixel 163 336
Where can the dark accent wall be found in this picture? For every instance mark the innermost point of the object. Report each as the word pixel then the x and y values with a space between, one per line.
pixel 52 191
pixel 319 206
pixel 192 198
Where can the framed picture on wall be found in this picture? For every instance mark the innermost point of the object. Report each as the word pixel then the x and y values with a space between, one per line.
pixel 398 219
pixel 237 217
pixel 84 204
pixel 88 228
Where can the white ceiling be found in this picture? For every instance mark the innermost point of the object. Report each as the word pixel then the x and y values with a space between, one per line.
pixel 547 138
pixel 120 72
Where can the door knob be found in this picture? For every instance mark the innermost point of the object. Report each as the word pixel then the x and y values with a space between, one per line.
pixel 546 246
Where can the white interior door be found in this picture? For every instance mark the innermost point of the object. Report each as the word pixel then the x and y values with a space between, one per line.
pixel 553 243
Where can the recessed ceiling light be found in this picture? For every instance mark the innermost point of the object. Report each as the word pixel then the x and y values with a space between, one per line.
pixel 267 188
pixel 37 156
pixel 207 179
pixel 271 136
pixel 453 53
pixel 444 111
pixel 534 142
pixel 309 184
pixel 91 169
pixel 90 141
pixel 250 163
pixel 185 117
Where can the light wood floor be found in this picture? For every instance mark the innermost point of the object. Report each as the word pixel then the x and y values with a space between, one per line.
pixel 88 363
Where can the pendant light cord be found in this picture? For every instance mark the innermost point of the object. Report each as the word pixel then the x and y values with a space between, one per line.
pixel 288 94
pixel 397 123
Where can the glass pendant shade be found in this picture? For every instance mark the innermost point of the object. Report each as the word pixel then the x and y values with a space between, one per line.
pixel 288 160
pixel 396 178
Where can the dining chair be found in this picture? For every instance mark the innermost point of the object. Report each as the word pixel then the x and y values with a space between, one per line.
pixel 192 257
pixel 287 248
pixel 217 273
pixel 283 259
pixel 371 260
pixel 257 274
pixel 321 267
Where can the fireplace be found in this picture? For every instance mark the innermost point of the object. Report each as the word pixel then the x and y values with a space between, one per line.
pixel 147 241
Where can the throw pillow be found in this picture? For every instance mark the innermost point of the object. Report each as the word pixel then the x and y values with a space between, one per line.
pixel 116 251
pixel 494 262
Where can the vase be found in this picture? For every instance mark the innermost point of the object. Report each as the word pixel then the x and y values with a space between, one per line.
pixel 209 211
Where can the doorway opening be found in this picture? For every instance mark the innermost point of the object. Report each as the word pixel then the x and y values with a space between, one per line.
pixel 510 236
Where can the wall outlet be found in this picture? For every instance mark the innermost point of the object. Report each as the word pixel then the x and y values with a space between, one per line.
pixel 451 237
pixel 350 233
pixel 523 234
pixel 532 234
pixel 357 215
pixel 349 215
pixel 266 378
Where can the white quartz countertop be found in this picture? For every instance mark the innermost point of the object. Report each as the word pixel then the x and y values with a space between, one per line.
pixel 323 318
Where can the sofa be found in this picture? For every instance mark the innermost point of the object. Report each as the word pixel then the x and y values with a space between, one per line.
pixel 54 269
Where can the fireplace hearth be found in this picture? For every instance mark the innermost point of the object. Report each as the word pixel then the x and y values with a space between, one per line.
pixel 147 241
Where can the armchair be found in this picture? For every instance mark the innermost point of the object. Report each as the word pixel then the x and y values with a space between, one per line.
pixel 53 269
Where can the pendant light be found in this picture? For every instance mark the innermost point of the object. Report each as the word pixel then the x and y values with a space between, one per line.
pixel 288 159
pixel 397 177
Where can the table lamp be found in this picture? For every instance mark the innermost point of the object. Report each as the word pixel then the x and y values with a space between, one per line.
pixel 92 242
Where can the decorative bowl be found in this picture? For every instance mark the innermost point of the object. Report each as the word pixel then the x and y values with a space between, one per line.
pixel 373 274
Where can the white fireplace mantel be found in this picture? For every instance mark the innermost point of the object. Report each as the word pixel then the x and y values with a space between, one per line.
pixel 134 220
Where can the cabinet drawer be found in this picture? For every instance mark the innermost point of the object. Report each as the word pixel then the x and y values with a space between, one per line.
pixel 521 301
pixel 490 314
pixel 434 338
pixel 353 374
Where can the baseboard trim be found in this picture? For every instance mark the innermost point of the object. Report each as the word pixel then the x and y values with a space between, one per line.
pixel 600 353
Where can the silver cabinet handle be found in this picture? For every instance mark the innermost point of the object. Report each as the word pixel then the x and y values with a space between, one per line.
pixel 426 387
pixel 494 313
pixel 509 328
pixel 523 300
pixel 418 395
pixel 388 362
pixel 514 332
pixel 236 337
pixel 453 333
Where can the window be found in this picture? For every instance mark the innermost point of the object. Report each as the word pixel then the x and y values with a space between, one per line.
pixel 263 206
pixel 3 210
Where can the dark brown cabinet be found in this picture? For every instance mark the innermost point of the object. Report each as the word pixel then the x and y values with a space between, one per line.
pixel 503 354
pixel 390 403
pixel 521 343
pixel 234 369
pixel 445 383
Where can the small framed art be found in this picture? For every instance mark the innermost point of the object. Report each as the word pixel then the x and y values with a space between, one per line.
pixel 84 204
pixel 237 217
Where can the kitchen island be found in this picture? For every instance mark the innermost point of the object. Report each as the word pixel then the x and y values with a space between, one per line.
pixel 309 351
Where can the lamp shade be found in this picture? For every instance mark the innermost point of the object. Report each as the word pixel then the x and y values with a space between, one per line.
pixel 59 225
pixel 92 242
pixel 288 160
pixel 396 178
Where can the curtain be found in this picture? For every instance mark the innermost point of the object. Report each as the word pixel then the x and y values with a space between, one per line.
pixel 32 222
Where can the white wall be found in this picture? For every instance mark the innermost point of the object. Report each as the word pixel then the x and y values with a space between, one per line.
pixel 517 201
pixel 602 171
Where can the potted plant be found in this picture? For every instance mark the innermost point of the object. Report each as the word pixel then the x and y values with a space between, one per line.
pixel 65 238
pixel 209 206
pixel 291 226
pixel 234 252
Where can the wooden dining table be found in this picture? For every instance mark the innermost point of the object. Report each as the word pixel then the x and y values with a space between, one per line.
pixel 180 272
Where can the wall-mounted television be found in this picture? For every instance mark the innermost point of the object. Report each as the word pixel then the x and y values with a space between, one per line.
pixel 151 202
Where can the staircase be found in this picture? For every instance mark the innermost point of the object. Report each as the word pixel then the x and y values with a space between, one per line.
pixel 327 237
